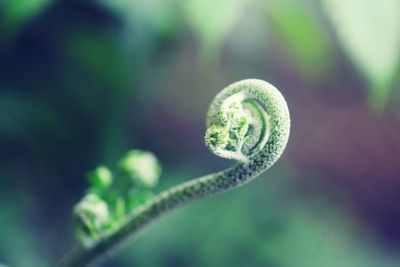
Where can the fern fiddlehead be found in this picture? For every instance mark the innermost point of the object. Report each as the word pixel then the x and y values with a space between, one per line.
pixel 247 121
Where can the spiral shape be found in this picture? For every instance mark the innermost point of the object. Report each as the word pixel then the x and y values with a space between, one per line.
pixel 243 117
pixel 247 121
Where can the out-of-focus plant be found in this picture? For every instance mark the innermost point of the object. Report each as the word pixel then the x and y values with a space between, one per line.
pixel 301 32
pixel 248 121
pixel 111 197
pixel 212 25
pixel 14 14
pixel 369 32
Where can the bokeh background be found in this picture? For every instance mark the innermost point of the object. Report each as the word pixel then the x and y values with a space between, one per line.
pixel 82 82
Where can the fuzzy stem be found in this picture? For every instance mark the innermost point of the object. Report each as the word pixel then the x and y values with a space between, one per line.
pixel 241 173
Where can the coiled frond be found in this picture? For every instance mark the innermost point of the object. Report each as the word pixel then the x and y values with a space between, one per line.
pixel 247 121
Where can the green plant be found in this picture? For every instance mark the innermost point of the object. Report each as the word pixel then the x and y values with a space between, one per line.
pixel 247 121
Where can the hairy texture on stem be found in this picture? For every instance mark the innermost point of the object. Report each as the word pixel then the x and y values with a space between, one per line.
pixel 248 121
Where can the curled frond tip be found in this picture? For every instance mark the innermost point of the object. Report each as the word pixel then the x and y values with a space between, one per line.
pixel 244 117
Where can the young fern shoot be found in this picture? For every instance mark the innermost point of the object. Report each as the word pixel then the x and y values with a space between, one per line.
pixel 248 121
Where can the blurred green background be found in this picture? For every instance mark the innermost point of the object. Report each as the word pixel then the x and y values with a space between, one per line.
pixel 82 82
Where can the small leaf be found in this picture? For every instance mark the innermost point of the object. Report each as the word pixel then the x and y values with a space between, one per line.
pixel 142 167
pixel 100 178
pixel 91 219
pixel 369 31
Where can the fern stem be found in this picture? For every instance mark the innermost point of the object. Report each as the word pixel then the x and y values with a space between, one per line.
pixel 257 158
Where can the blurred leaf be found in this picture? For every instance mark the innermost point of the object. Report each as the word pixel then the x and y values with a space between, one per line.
pixel 301 34
pixel 369 31
pixel 15 13
pixel 159 15
pixel 212 21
